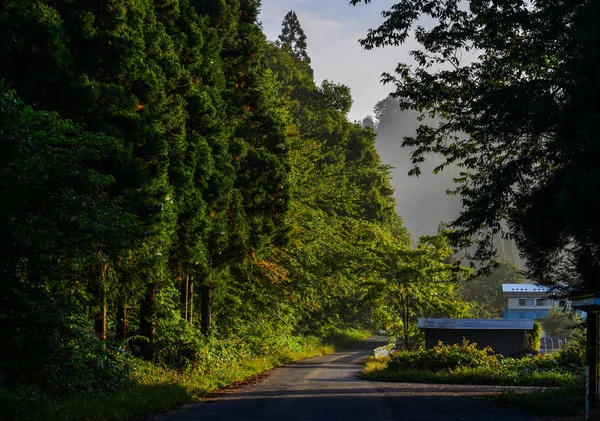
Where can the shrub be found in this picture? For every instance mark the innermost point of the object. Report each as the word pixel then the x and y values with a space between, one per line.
pixel 466 364
pixel 573 357
pixel 445 357
pixel 534 338
pixel 177 344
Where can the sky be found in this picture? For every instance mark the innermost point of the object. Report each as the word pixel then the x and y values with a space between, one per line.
pixel 333 28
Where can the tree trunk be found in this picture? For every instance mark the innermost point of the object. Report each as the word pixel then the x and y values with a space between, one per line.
pixel 122 320
pixel 100 316
pixel 185 285
pixel 147 318
pixel 405 322
pixel 190 306
pixel 206 292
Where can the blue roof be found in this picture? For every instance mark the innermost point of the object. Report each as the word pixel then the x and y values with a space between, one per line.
pixel 523 288
pixel 482 324
pixel 587 303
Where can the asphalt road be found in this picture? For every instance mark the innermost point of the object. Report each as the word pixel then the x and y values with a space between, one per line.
pixel 327 388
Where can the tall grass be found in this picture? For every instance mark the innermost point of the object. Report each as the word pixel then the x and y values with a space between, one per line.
pixel 563 401
pixel 152 388
pixel 466 364
pixel 559 373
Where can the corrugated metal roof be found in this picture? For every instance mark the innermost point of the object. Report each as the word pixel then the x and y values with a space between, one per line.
pixel 523 288
pixel 485 324
pixel 587 303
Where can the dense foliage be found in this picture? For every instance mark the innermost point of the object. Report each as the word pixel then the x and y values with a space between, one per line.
pixel 560 323
pixel 162 157
pixel 512 85
pixel 465 363
pixel 56 216
pixel 445 357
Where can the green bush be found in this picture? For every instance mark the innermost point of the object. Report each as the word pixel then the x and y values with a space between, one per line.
pixel 177 344
pixel 534 338
pixel 92 369
pixel 464 363
pixel 573 355
pixel 445 357
pixel 466 355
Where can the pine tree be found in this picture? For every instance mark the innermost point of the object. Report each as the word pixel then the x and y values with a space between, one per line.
pixel 293 38
pixel 107 65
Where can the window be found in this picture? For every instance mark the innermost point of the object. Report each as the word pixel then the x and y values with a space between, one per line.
pixel 540 302
pixel 526 302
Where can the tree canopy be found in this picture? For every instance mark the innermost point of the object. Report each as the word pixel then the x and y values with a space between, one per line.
pixel 163 159
pixel 512 84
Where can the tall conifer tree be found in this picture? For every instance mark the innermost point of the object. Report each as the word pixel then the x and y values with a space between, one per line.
pixel 293 37
pixel 106 65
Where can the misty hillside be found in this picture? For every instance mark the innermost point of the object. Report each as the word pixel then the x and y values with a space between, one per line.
pixel 421 201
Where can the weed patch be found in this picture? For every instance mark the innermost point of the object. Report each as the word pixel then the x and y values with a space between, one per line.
pixel 563 401
pixel 149 388
pixel 466 364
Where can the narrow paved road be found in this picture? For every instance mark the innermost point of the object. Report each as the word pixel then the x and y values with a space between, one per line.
pixel 327 388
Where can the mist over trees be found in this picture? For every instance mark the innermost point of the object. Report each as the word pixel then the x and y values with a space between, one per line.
pixel 485 291
pixel 529 154
pixel 423 201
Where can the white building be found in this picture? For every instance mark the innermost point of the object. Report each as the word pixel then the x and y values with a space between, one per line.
pixel 527 301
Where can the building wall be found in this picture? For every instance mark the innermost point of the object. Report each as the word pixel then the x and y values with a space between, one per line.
pixel 524 313
pixel 513 303
pixel 536 304
pixel 505 342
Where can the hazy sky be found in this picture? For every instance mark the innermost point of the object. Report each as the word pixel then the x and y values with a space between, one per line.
pixel 333 28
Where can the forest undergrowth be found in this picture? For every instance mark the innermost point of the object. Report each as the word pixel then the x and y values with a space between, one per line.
pixel 558 375
pixel 144 387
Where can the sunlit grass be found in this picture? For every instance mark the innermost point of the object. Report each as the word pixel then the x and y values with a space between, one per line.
pixel 377 370
pixel 561 393
pixel 151 388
